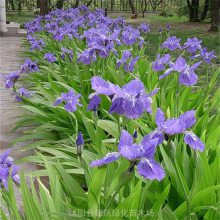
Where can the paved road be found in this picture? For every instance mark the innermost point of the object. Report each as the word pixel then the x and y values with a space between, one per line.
pixel 10 60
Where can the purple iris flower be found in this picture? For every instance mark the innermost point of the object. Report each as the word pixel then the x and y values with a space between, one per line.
pixel 129 67
pixel 29 66
pixel 36 44
pixel 142 152
pixel 125 56
pixel 11 79
pixel 70 99
pixel 145 28
pixel 208 56
pixel 94 103
pixel 100 41
pixel 128 61
pixel 130 35
pixel 205 55
pixel 172 43
pixel 66 52
pixel 58 34
pixel 86 57
pixel 187 75
pixel 160 63
pixel 50 57
pixel 7 167
pixel 192 45
pixel 131 100
pixel 177 126
pixel 22 92
pixel 79 140
pixel 168 27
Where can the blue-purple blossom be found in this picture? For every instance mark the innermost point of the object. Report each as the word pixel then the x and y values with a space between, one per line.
pixel 131 100
pixel 79 140
pixel 36 44
pixel 128 61
pixel 160 63
pixel 8 168
pixel 187 75
pixel 172 43
pixel 168 27
pixel 145 28
pixel 86 57
pixel 50 57
pixel 130 35
pixel 94 103
pixel 125 56
pixel 66 53
pixel 129 67
pixel 142 152
pixel 175 126
pixel 192 45
pixel 21 93
pixel 100 42
pixel 11 79
pixel 70 99
pixel 135 134
pixel 29 66
pixel 205 55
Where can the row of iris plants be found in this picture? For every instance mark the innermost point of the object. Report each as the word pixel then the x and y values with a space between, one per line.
pixel 116 135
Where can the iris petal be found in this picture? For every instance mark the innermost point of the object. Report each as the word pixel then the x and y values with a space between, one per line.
pixel 150 169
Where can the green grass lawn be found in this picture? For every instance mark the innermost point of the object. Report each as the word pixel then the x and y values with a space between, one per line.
pixel 211 41
pixel 21 17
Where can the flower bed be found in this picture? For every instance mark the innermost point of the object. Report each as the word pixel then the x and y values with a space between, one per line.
pixel 115 132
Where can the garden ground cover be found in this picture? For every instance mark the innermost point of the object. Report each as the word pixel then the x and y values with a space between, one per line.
pixel 114 131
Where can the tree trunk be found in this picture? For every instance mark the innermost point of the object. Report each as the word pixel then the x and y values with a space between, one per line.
pixel 191 11
pixel 38 3
pixel 89 3
pixel 144 4
pixel 43 7
pixel 112 5
pixel 76 4
pixel 131 4
pixel 215 17
pixel 195 5
pixel 19 6
pixel 205 10
pixel 60 4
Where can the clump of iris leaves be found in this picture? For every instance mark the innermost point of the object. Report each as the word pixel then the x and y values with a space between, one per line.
pixel 115 135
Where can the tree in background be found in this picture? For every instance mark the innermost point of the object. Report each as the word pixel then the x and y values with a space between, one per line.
pixel 11 2
pixel 76 4
pixel 205 10
pixel 60 4
pixel 38 3
pixel 112 4
pixel 19 5
pixel 43 7
pixel 193 6
pixel 215 17
pixel 143 4
pixel 132 6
